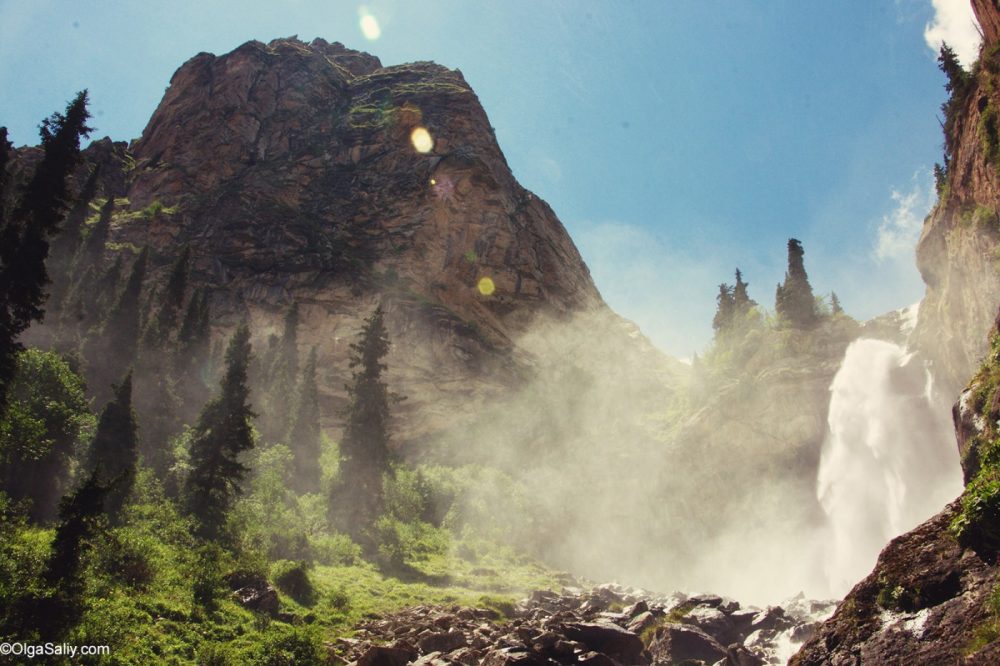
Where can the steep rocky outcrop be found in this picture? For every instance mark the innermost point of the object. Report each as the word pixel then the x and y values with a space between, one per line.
pixel 957 252
pixel 292 172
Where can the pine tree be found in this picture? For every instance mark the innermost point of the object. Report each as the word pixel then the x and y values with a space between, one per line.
pixel 24 236
pixel 158 402
pixel 280 379
pixel 742 303
pixel 93 247
pixel 111 350
pixel 114 453
pixel 835 306
pixel 222 433
pixel 357 499
pixel 724 312
pixel 80 516
pixel 191 362
pixel 64 246
pixel 304 437
pixel 171 299
pixel 794 301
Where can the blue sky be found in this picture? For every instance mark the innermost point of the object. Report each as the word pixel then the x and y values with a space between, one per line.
pixel 676 140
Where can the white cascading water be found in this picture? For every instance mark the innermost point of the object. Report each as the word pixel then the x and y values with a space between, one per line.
pixel 889 461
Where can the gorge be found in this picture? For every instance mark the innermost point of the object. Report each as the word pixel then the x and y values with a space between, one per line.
pixel 363 224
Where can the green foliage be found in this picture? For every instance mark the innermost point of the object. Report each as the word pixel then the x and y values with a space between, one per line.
pixel 287 646
pixel 978 523
pixel 958 85
pixel 25 233
pixel 46 420
pixel 293 579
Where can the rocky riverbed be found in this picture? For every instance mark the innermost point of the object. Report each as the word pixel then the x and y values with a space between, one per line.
pixel 603 626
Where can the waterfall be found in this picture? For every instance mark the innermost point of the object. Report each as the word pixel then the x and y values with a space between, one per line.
pixel 889 461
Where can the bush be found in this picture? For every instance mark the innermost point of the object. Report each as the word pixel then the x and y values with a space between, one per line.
pixel 978 524
pixel 126 556
pixel 335 550
pixel 208 582
pixel 400 543
pixel 292 578
pixel 288 646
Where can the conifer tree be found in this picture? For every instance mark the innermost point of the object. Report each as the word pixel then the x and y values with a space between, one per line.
pixel 114 453
pixel 80 515
pixel 742 303
pixel 222 433
pixel 724 312
pixel 171 299
pixel 93 247
pixel 304 437
pixel 281 377
pixel 64 246
pixel 112 350
pixel 158 403
pixel 794 301
pixel 24 236
pixel 357 498
pixel 191 362
pixel 835 306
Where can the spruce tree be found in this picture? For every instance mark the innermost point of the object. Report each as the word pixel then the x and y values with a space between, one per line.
pixel 356 499
pixel 835 306
pixel 742 303
pixel 280 379
pixel 93 247
pixel 158 402
pixel 80 515
pixel 64 246
pixel 223 432
pixel 112 350
pixel 794 301
pixel 724 311
pixel 24 235
pixel 114 453
pixel 163 324
pixel 305 436
pixel 191 362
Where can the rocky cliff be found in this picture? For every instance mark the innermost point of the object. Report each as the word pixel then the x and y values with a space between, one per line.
pixel 933 595
pixel 958 249
pixel 310 173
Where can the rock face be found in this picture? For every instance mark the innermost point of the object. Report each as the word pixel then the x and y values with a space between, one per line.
pixel 607 625
pixel 292 172
pixel 958 245
pixel 932 595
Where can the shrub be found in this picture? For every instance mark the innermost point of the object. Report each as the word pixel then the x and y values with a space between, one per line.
pixel 292 578
pixel 288 646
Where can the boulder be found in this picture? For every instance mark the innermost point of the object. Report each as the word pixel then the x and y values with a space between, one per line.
pixel 677 642
pixel 612 640
pixel 380 655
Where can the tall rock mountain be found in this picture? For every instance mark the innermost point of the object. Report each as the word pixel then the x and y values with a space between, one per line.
pixel 292 172
pixel 933 596
pixel 959 248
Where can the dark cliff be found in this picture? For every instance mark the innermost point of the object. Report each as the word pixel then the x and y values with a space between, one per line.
pixel 292 172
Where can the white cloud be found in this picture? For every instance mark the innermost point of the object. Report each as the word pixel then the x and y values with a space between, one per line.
pixel 955 24
pixel 900 229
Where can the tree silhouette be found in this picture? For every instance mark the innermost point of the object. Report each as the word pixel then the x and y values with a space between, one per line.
pixel 794 301
pixel 222 433
pixel 24 235
pixel 356 499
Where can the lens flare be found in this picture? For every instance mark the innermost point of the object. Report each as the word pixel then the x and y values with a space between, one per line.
pixel 421 140
pixel 486 286
pixel 369 25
